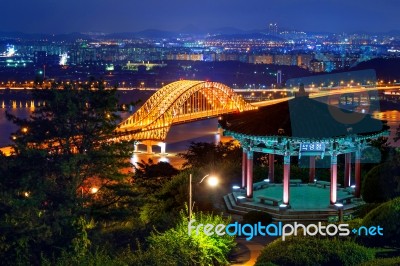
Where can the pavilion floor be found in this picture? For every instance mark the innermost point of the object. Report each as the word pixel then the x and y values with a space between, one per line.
pixel 307 201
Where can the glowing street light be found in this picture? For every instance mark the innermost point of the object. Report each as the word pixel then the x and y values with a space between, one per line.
pixel 94 190
pixel 212 181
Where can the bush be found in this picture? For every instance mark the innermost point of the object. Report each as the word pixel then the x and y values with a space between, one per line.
pixel 363 210
pixel 314 251
pixel 176 247
pixel 98 258
pixel 381 183
pixel 383 262
pixel 253 217
pixel 371 189
pixel 386 216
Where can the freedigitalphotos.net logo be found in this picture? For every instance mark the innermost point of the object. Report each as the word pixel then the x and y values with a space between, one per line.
pixel 281 230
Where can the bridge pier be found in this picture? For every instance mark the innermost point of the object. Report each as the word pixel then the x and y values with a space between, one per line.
pixel 163 146
pixel 136 147
pixel 220 130
pixel 150 143
pixel 149 148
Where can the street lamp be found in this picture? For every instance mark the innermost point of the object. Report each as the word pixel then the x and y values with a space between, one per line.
pixel 212 181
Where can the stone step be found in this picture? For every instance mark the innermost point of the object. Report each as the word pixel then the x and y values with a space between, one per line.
pixel 239 206
pixel 303 215
pixel 232 209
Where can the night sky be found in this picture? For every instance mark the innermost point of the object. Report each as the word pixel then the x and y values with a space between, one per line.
pixel 65 16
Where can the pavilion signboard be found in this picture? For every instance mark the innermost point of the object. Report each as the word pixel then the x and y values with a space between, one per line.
pixel 312 149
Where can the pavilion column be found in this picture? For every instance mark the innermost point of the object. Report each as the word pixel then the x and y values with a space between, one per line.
pixel 347 170
pixel 357 191
pixel 271 170
pixel 312 169
pixel 244 168
pixel 333 179
pixel 286 181
pixel 249 192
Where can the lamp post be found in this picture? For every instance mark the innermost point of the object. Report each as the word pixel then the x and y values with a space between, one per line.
pixel 212 181
pixel 339 207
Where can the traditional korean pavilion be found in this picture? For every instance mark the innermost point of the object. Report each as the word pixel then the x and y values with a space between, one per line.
pixel 302 127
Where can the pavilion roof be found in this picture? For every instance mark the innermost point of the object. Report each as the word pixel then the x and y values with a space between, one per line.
pixel 301 117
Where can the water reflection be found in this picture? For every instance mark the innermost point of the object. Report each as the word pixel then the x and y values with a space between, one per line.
pixel 179 137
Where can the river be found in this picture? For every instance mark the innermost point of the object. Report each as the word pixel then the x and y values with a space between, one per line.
pixel 178 139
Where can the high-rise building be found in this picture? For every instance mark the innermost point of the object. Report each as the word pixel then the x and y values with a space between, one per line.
pixel 279 77
pixel 303 60
pixel 261 59
pixel 285 59
pixel 273 29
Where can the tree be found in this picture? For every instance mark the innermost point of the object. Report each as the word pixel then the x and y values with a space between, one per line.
pixel 203 154
pixel 151 177
pixel 387 216
pixel 176 247
pixel 67 166
pixel 382 182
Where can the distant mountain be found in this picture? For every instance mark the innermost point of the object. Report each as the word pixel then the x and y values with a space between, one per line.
pixel 246 36
pixel 394 32
pixel 227 31
pixel 192 29
pixel 39 36
pixel 386 68
pixel 152 33
pixel 21 35
pixel 121 35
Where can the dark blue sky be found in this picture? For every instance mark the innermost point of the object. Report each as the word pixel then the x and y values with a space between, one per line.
pixel 64 16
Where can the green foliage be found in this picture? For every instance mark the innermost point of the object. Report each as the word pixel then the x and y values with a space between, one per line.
pixel 180 248
pixel 364 209
pixel 163 207
pixel 371 189
pixel 382 182
pixel 203 154
pixel 151 256
pixel 151 177
pixel 386 216
pixel 175 246
pixel 355 223
pixel 96 258
pixel 314 251
pixel 383 262
pixel 253 217
pixel 62 151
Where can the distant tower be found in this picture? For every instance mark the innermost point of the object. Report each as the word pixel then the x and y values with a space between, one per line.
pixel 273 29
pixel 279 77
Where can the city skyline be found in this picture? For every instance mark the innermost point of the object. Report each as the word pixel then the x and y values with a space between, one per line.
pixel 49 16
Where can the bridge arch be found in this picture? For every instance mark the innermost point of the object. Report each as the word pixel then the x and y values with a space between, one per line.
pixel 180 102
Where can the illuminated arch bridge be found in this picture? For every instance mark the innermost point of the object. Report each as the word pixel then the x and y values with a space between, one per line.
pixel 179 102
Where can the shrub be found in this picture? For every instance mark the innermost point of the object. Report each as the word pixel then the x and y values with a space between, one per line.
pixel 381 183
pixel 363 210
pixel 386 216
pixel 371 189
pixel 314 251
pixel 253 217
pixel 176 247
pixel 98 258
pixel 383 262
